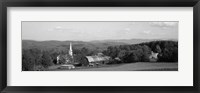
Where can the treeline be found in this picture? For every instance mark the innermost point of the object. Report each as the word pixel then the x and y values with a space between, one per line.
pixel 35 59
pixel 168 52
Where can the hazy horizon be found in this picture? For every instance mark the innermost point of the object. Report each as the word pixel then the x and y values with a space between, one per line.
pixel 101 40
pixel 99 31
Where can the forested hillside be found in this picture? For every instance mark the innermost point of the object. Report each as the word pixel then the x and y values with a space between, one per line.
pixel 40 55
pixel 167 51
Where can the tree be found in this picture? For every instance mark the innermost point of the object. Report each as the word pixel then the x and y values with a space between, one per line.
pixel 30 59
pixel 53 56
pixel 158 49
pixel 146 53
pixel 46 60
pixel 62 59
pixel 122 53
pixel 27 61
pixel 84 51
pixel 81 59
pixel 169 54
pixel 132 57
pixel 112 51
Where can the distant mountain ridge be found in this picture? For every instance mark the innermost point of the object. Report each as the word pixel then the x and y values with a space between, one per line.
pixel 96 44
pixel 132 41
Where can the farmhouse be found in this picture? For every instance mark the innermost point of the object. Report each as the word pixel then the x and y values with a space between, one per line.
pixel 153 57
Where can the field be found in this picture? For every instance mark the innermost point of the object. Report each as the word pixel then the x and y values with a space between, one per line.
pixel 139 66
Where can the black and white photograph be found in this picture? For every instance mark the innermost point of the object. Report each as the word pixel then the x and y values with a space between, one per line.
pixel 99 45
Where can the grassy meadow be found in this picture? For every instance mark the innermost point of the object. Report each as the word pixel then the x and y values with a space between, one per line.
pixel 139 66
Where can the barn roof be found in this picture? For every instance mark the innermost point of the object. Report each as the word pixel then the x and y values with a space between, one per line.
pixel 97 58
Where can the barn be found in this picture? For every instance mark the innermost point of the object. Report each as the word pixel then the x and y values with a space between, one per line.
pixel 96 60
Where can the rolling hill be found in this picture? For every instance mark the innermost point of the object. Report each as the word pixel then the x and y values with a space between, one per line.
pixel 62 45
pixel 93 45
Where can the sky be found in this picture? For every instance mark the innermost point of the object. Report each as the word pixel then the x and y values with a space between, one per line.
pixel 88 31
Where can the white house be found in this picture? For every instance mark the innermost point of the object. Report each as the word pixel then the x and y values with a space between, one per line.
pixel 153 57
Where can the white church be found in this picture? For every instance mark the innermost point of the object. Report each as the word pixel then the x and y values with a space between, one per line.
pixel 68 57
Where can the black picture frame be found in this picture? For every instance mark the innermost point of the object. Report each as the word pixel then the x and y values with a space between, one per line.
pixel 98 3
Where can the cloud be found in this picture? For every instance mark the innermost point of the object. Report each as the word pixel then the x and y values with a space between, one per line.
pixel 164 24
pixel 152 33
pixel 59 28
pixel 127 29
pixel 146 31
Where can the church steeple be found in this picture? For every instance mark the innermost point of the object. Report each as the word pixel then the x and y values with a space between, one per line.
pixel 70 50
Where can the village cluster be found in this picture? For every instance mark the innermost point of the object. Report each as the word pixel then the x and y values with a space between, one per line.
pixel 94 60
